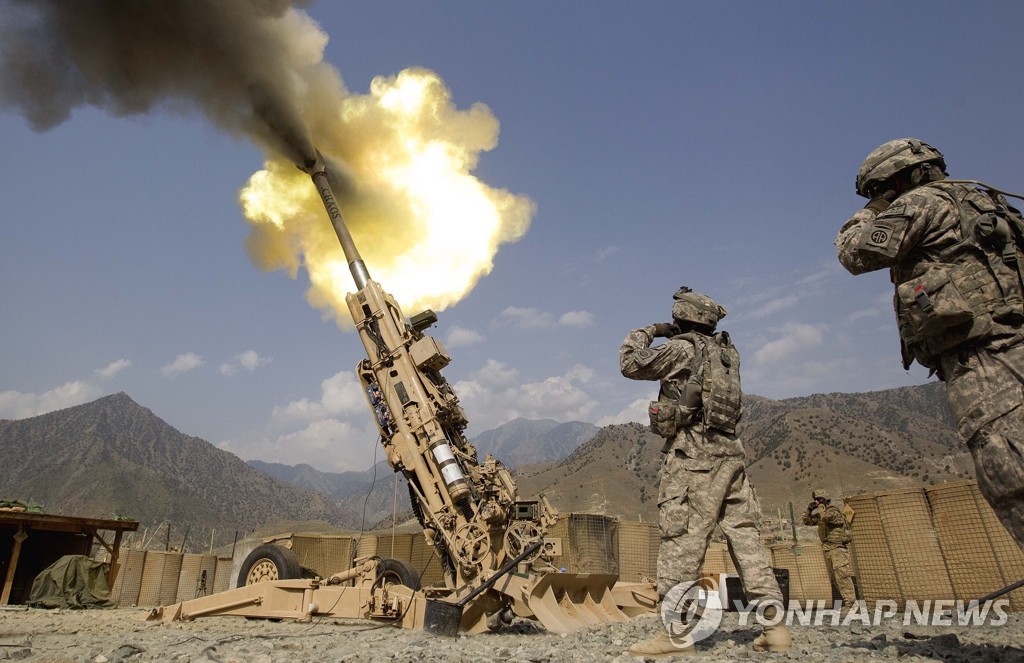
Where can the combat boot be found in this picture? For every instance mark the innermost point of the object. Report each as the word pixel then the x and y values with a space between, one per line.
pixel 663 646
pixel 774 638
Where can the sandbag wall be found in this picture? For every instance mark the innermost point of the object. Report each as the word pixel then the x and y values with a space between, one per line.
pixel 938 542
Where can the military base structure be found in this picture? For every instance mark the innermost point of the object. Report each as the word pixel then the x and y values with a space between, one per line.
pixel 931 542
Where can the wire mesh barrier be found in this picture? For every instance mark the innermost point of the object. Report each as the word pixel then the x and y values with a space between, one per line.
pixel 323 553
pixel 935 542
pixel 589 543
pixel 808 575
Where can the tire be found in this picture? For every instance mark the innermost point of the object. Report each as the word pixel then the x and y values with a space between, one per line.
pixel 269 562
pixel 397 572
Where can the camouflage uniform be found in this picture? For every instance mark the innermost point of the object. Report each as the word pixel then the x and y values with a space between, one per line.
pixel 984 376
pixel 703 482
pixel 833 531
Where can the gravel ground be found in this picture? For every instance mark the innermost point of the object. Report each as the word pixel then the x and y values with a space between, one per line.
pixel 122 634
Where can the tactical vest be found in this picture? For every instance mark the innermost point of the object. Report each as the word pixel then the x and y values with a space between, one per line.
pixel 972 290
pixel 833 533
pixel 716 365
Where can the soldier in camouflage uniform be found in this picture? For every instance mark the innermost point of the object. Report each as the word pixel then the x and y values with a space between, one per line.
pixel 834 532
pixel 953 248
pixel 703 482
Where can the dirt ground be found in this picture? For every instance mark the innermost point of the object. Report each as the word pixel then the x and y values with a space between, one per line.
pixel 123 634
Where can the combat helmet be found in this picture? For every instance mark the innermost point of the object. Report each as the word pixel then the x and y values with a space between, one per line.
pixel 821 494
pixel 690 306
pixel 890 158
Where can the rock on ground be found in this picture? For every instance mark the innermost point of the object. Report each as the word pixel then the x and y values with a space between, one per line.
pixel 123 635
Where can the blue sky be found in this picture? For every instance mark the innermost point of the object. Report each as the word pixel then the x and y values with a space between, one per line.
pixel 663 144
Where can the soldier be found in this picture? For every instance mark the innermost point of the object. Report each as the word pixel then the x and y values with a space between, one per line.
pixel 703 482
pixel 953 248
pixel 834 532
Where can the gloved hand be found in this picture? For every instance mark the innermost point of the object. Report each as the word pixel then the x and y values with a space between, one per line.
pixel 880 203
pixel 665 329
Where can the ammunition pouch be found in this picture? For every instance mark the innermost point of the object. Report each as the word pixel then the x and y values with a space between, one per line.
pixel 974 288
pixel 668 418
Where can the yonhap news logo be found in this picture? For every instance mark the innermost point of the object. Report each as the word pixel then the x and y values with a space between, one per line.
pixel 690 613
pixel 929 612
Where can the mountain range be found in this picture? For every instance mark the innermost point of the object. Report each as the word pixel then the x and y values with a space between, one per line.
pixel 115 457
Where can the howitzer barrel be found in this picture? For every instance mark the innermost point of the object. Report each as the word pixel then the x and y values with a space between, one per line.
pixel 317 169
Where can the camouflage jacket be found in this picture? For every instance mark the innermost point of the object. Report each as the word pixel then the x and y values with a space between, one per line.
pixel 671 363
pixel 922 229
pixel 832 525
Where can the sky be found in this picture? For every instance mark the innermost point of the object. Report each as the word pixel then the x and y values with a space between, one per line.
pixel 655 145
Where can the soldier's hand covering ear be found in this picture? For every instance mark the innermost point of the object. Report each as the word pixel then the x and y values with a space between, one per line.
pixel 665 329
pixel 880 203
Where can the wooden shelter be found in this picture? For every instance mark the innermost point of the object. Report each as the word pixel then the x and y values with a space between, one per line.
pixel 30 542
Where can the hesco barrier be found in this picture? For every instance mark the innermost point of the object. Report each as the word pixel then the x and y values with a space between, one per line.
pixel 589 543
pixel 638 551
pixel 129 577
pixel 808 575
pixel 980 554
pixel 323 553
pixel 935 542
pixel 196 577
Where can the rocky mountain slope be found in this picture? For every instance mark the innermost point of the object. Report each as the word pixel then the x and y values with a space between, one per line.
pixel 114 457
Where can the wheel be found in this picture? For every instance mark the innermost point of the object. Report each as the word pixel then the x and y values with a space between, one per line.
pixel 269 562
pixel 397 572
pixel 472 543
pixel 518 538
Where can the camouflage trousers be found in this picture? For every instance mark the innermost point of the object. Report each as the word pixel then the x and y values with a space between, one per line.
pixel 696 495
pixel 837 558
pixel 986 396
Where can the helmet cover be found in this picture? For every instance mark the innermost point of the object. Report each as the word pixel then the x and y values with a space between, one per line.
pixel 890 158
pixel 690 306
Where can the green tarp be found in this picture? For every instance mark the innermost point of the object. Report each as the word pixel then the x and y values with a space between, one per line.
pixel 73 581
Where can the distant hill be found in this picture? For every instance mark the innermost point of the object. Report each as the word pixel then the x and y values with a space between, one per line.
pixel 530 441
pixel 113 456
pixel 850 443
pixel 371 493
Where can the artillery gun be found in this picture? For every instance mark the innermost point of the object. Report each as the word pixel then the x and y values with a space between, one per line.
pixel 491 545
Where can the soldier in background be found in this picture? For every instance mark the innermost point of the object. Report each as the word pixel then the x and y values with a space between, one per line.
pixel 834 532
pixel 953 249
pixel 703 482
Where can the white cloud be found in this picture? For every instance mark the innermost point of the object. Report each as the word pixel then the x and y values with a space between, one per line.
pixel 576 319
pixel 334 433
pixel 774 306
pixel 183 363
pixel 460 336
pixel 112 369
pixel 794 337
pixel 340 395
pixel 532 318
pixel 635 411
pixel 492 396
pixel 526 318
pixel 606 253
pixel 20 404
pixel 248 360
